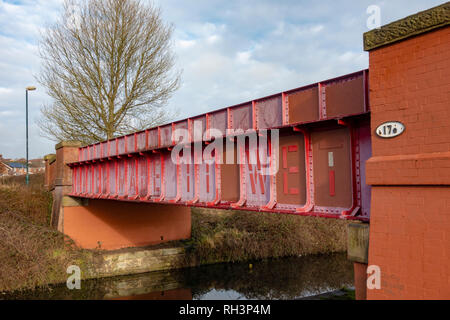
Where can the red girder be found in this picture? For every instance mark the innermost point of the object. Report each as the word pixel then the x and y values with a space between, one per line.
pixel 139 167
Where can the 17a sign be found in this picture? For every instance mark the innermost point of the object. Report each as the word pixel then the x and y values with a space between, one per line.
pixel 390 129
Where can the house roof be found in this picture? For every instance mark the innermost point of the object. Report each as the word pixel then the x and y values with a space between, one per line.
pixel 16 165
pixel 5 164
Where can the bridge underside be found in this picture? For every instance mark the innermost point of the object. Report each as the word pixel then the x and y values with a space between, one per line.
pixel 308 159
pixel 111 225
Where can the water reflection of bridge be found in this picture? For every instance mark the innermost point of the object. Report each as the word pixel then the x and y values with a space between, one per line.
pixel 287 278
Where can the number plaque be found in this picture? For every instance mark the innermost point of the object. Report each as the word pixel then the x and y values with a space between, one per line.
pixel 390 129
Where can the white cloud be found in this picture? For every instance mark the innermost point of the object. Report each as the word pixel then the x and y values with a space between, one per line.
pixel 243 57
pixel 185 44
pixel 213 39
pixel 317 29
pixel 5 90
pixel 6 113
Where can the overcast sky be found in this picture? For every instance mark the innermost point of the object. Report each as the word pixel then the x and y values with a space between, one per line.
pixel 230 52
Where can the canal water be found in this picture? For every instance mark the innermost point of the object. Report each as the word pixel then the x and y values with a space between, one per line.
pixel 286 278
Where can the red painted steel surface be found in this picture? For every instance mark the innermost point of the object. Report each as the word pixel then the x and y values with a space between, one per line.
pixel 324 139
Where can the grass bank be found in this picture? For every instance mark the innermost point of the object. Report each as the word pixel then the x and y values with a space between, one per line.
pixel 232 236
pixel 31 253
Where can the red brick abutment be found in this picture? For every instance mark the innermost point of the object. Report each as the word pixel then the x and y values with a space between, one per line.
pixel 409 248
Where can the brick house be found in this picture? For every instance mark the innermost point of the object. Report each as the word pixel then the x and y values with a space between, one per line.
pixel 37 166
pixel 9 167
pixel 17 168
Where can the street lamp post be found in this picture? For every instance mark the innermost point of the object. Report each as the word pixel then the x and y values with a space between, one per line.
pixel 26 94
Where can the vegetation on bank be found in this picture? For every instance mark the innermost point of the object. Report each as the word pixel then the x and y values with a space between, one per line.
pixel 232 236
pixel 31 253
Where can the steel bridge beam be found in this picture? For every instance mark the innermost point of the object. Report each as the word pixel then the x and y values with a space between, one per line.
pixel 314 168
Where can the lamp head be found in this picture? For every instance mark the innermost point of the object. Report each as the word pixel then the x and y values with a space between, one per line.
pixel 31 88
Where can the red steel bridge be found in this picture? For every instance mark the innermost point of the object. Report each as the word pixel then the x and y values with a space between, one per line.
pixel 323 139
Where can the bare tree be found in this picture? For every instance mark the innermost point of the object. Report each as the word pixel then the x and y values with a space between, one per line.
pixel 109 67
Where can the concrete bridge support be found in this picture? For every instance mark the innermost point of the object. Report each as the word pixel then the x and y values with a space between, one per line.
pixel 358 253
pixel 109 225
